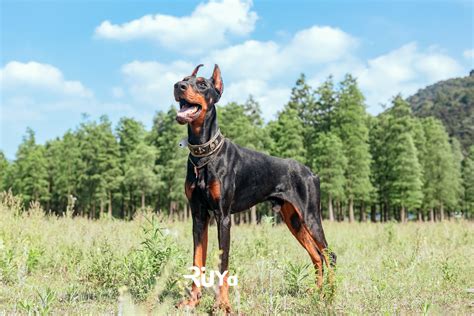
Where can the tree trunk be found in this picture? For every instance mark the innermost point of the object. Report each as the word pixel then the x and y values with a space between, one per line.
pixel 432 219
pixel 331 211
pixel 110 204
pixel 403 214
pixel 125 209
pixel 351 210
pixel 339 212
pixel 232 219
pixel 362 216
pixel 253 214
pixel 373 213
pixel 441 213
pixel 143 200
pixel 171 210
pixel 420 216
pixel 92 211
pixel 101 209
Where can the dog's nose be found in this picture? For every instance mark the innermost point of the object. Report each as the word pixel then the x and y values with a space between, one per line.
pixel 182 86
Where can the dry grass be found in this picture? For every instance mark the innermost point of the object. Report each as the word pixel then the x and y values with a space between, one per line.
pixel 75 265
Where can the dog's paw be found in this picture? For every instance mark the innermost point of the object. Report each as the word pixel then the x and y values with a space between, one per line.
pixel 222 306
pixel 189 303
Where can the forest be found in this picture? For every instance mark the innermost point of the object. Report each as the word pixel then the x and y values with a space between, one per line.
pixel 393 166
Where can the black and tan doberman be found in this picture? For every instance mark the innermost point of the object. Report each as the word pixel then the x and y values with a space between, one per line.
pixel 224 178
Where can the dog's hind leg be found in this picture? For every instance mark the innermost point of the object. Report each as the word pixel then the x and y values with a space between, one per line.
pixel 293 220
pixel 314 222
pixel 316 230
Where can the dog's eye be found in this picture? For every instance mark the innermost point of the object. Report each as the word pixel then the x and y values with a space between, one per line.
pixel 202 85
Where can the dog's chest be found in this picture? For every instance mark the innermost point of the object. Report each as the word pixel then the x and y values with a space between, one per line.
pixel 209 188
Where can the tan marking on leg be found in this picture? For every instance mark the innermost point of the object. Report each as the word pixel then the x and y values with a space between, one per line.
pixel 223 302
pixel 321 248
pixel 304 237
pixel 188 189
pixel 215 189
pixel 199 260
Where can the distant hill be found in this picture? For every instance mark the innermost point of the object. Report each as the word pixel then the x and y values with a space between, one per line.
pixel 452 101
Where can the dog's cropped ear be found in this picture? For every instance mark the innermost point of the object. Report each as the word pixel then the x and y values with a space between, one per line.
pixel 195 71
pixel 217 80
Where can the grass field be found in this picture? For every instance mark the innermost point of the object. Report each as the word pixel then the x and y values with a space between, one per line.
pixel 74 265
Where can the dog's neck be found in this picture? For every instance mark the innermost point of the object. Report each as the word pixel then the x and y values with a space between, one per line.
pixel 208 129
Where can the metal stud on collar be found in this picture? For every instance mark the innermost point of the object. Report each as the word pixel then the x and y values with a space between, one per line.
pixel 208 148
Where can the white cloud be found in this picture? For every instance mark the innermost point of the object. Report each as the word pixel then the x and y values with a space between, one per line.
pixel 36 75
pixel 320 44
pixel 152 82
pixel 271 99
pixel 253 67
pixel 468 54
pixel 117 92
pixel 403 70
pixel 188 34
pixel 34 92
pixel 310 47
pixel 251 59
pixel 267 70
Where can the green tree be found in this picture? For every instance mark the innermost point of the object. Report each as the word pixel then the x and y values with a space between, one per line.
pixel 101 176
pixel 456 179
pixel 323 115
pixel 261 140
pixel 468 181
pixel 302 100
pixel 351 126
pixel 437 166
pixel 108 164
pixel 318 116
pixel 64 169
pixel 3 172
pixel 30 170
pixel 243 124
pixel 130 134
pixel 287 135
pixel 305 112
pixel 140 170
pixel 405 173
pixel 380 167
pixel 171 162
pixel 330 163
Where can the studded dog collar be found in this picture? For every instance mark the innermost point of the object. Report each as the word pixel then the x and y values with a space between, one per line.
pixel 208 148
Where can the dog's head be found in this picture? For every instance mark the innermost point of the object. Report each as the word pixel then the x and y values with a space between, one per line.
pixel 196 95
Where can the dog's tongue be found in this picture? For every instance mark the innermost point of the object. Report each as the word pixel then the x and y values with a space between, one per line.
pixel 186 113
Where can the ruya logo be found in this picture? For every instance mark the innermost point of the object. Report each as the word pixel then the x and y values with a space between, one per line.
pixel 199 277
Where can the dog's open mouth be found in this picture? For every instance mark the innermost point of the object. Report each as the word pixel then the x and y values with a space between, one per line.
pixel 187 112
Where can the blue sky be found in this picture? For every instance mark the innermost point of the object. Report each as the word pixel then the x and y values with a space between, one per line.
pixel 60 59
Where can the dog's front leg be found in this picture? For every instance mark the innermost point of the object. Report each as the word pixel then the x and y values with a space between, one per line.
pixel 200 226
pixel 223 233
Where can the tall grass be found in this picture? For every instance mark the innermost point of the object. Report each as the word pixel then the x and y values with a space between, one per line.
pixel 74 265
